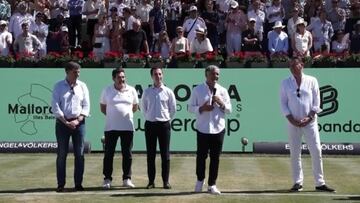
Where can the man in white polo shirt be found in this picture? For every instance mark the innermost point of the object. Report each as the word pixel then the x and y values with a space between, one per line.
pixel 118 102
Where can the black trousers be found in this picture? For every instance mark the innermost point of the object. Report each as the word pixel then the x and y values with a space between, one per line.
pixel 208 143
pixel 75 30
pixel 158 131
pixel 126 140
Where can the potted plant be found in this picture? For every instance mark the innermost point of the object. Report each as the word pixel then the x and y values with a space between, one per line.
pixel 25 60
pixel 134 60
pixel 63 59
pixel 256 60
pixel 325 60
pixel 7 61
pixel 237 60
pixel 308 60
pixel 181 60
pixel 350 60
pixel 155 60
pixel 50 60
pixel 279 60
pixel 210 58
pixel 112 59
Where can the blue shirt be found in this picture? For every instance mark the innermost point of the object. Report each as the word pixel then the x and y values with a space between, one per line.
pixel 70 102
pixel 278 42
pixel 75 7
pixel 159 21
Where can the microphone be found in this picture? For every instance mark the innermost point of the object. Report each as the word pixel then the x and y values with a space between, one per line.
pixel 214 92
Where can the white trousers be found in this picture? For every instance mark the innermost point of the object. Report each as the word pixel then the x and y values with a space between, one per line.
pixel 312 138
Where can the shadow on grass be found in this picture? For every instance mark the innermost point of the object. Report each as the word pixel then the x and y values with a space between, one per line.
pixel 260 191
pixel 352 198
pixel 157 194
pixel 87 189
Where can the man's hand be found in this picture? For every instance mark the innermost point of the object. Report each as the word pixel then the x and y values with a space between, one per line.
pixel 216 99
pixel 305 121
pixel 206 107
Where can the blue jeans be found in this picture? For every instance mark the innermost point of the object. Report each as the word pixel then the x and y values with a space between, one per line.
pixel 63 134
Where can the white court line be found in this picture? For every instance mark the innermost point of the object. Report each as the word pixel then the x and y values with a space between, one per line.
pixel 178 193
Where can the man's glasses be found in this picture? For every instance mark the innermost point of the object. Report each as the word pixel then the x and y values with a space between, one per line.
pixel 298 92
pixel 72 90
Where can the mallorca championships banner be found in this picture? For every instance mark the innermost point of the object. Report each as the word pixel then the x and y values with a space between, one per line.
pixel 25 111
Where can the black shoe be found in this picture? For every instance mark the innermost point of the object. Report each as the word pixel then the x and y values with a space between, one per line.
pixel 150 186
pixel 296 188
pixel 324 188
pixel 79 188
pixel 167 186
pixel 60 189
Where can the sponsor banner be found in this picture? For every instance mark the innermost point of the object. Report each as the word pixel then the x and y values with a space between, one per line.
pixel 35 147
pixel 25 105
pixel 327 148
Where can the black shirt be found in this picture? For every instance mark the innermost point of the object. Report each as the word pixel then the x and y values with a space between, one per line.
pixel 134 41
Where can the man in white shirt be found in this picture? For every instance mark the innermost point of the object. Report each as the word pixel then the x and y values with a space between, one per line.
pixel 26 43
pixel 40 30
pixel 5 39
pixel 192 23
pixel 18 18
pixel 118 103
pixel 300 103
pixel 201 44
pixel 209 102
pixel 158 105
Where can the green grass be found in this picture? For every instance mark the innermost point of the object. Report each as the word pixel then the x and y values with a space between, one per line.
pixel 242 178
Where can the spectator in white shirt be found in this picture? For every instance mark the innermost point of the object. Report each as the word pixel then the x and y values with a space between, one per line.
pixel 209 102
pixel 274 13
pixel 92 9
pixel 259 16
pixel 18 18
pixel 40 30
pixel 201 44
pixel 193 22
pixel 341 44
pixel 5 39
pixel 26 43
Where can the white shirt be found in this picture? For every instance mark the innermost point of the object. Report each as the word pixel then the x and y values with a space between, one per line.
pixel 119 105
pixel 129 23
pixel 68 102
pixel 57 11
pixel 200 23
pixel 42 28
pixel 209 122
pixel 15 23
pixel 143 12
pixel 308 100
pixel 273 9
pixel 5 42
pixel 260 19
pixel 92 6
pixel 200 47
pixel 224 5
pixel 158 104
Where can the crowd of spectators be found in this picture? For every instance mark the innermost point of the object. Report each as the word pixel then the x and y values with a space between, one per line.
pixel 175 27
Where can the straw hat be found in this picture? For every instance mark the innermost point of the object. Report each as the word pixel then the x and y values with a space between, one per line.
pixel 300 21
pixel 278 24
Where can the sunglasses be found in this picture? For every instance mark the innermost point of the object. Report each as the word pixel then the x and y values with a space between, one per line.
pixel 298 92
pixel 72 90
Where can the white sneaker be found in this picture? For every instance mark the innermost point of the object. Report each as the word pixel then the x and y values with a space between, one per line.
pixel 199 186
pixel 213 190
pixel 107 184
pixel 128 183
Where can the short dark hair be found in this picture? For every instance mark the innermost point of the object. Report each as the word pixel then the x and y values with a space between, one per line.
pixel 153 69
pixel 72 65
pixel 297 58
pixel 126 10
pixel 117 71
